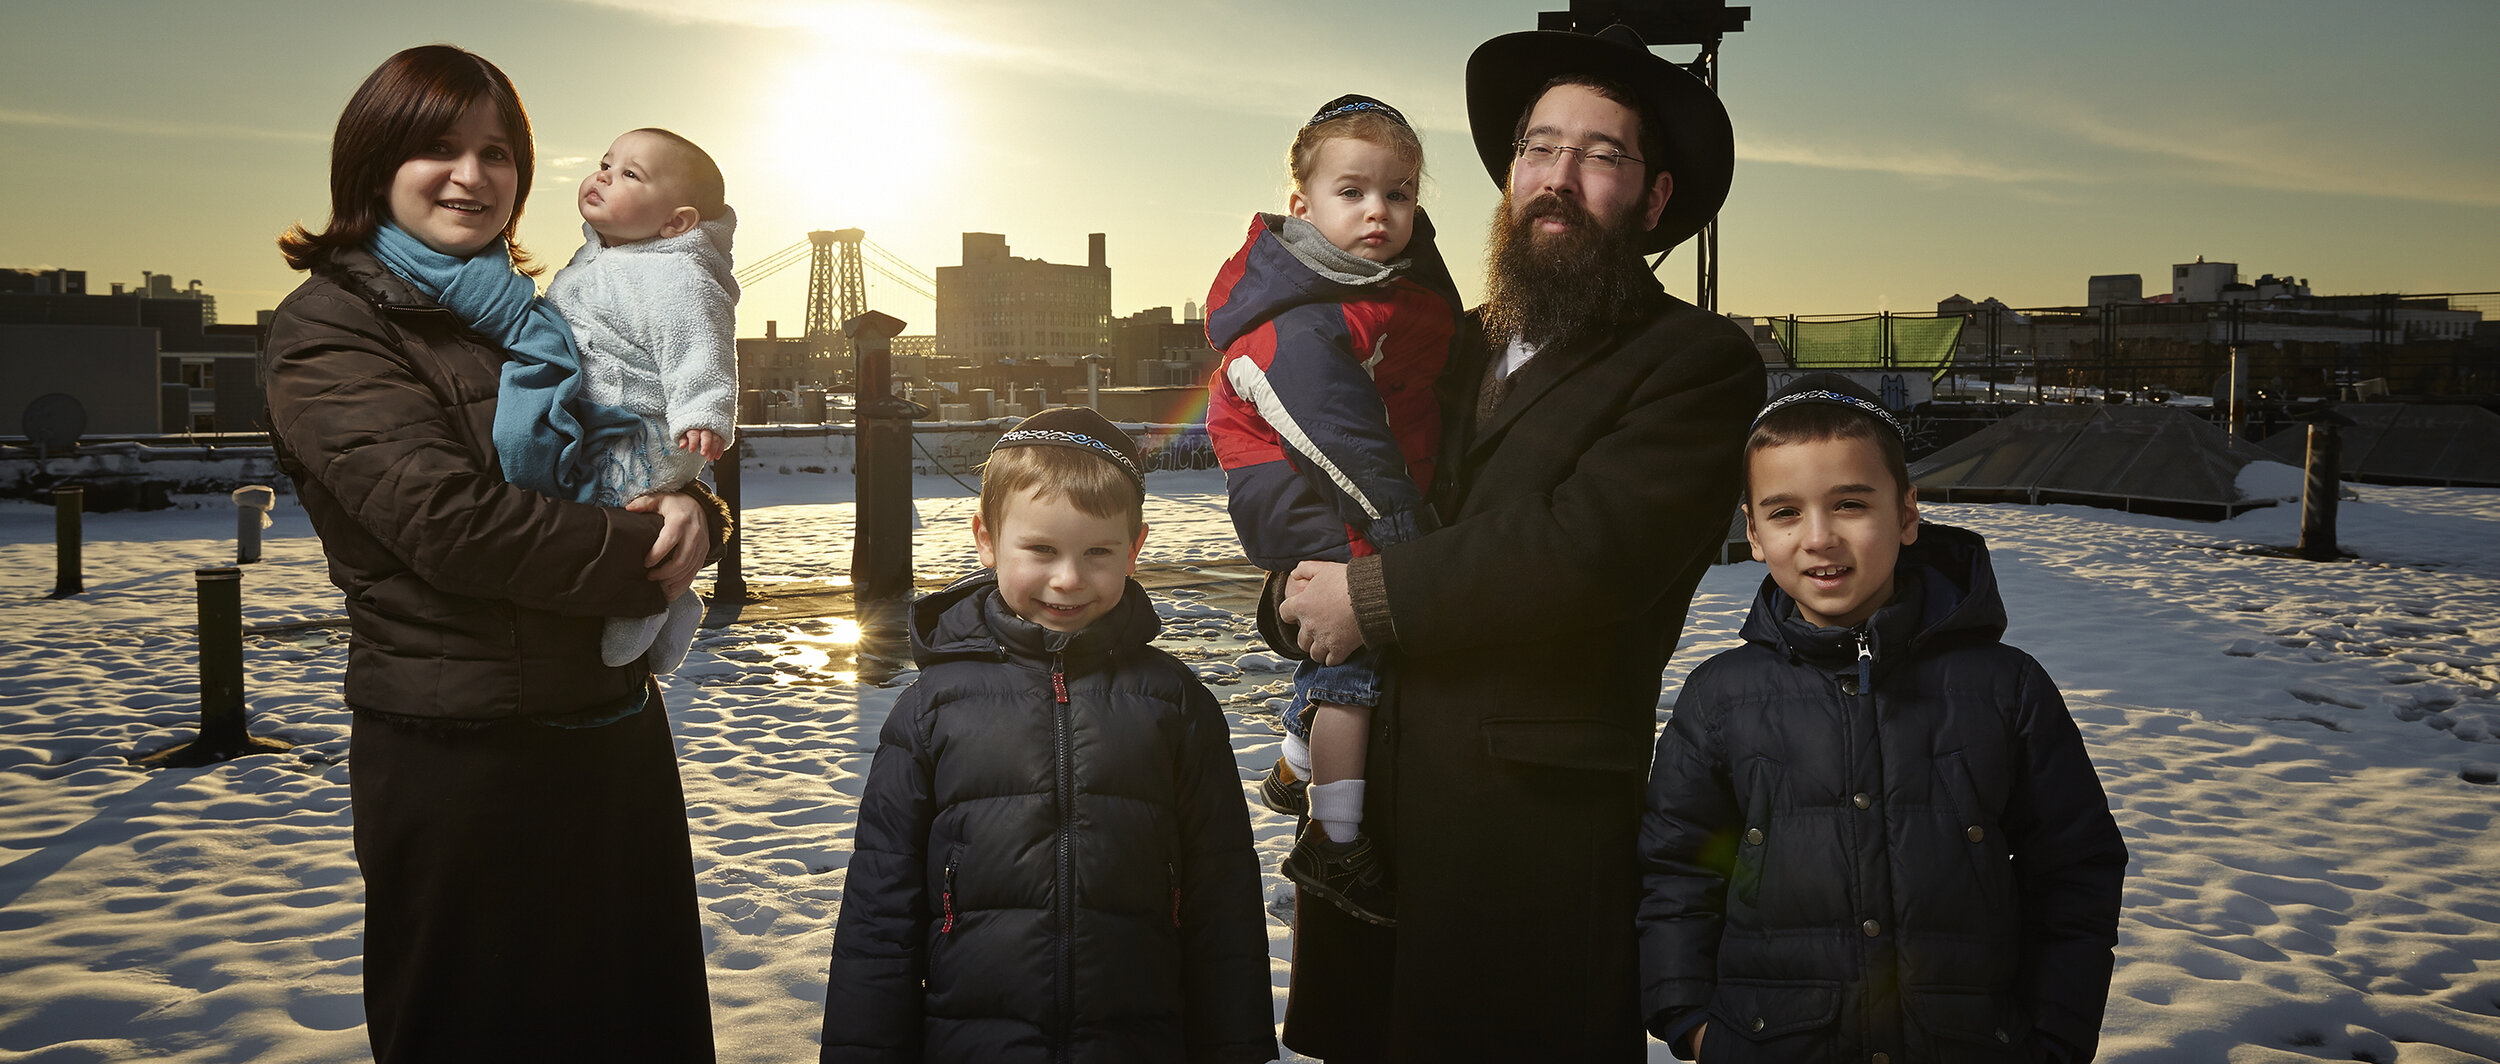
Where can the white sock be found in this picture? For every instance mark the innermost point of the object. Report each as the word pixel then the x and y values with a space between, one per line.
pixel 1339 808
pixel 626 638
pixel 676 634
pixel 1298 753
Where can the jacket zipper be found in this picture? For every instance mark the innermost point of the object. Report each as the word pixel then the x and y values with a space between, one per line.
pixel 946 925
pixel 1866 665
pixel 1062 898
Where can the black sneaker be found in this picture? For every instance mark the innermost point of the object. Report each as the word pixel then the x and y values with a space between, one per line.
pixel 1347 874
pixel 1285 792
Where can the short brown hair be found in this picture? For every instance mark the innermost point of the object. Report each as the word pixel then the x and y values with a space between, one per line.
pixel 1092 483
pixel 704 184
pixel 412 98
pixel 1369 126
pixel 1817 422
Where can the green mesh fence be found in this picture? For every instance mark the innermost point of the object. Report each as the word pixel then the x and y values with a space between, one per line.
pixel 1912 343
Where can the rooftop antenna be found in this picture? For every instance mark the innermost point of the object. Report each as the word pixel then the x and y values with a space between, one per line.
pixel 1664 22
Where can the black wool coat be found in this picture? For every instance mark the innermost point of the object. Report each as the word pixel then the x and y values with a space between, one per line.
pixel 1505 777
pixel 1041 876
pixel 1880 840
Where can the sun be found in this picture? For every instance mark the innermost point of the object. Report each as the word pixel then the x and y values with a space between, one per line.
pixel 864 123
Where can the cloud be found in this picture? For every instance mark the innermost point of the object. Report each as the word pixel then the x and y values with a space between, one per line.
pixel 1921 162
pixel 882 24
pixel 1148 48
pixel 153 127
pixel 2274 155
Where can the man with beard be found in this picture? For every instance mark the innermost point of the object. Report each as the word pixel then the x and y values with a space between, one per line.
pixel 1589 465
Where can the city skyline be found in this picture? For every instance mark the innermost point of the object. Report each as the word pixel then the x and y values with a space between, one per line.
pixel 1888 155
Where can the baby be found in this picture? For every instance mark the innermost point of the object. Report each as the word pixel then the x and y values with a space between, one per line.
pixel 653 308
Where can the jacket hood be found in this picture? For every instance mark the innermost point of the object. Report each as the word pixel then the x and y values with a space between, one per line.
pixel 1286 263
pixel 1943 585
pixel 966 621
pixel 707 244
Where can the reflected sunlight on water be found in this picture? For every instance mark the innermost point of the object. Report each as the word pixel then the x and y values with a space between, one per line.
pixel 824 651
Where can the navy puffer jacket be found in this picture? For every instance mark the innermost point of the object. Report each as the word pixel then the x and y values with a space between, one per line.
pixel 1048 877
pixel 1884 842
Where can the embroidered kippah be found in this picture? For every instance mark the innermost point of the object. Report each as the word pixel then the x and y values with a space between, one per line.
pixel 1831 388
pixel 1076 426
pixel 1353 103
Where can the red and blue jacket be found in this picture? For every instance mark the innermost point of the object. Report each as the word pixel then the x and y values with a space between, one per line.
pixel 1322 410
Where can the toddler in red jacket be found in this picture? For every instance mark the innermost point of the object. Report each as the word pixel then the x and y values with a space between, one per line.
pixel 1334 319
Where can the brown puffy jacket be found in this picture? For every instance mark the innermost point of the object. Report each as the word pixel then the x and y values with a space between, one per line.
pixel 467 598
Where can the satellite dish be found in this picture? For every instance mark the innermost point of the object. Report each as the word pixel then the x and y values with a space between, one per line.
pixel 54 422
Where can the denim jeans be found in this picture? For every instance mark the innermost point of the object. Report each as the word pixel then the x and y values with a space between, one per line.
pixel 1355 682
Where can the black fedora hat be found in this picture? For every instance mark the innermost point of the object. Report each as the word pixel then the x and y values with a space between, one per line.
pixel 1505 73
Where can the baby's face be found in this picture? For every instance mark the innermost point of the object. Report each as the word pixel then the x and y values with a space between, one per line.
pixel 634 195
pixel 1361 196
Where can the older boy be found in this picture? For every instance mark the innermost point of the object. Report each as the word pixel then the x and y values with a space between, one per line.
pixel 1053 859
pixel 653 307
pixel 1873 831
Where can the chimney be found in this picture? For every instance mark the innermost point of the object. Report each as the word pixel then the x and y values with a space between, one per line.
pixel 772 329
pixel 1093 250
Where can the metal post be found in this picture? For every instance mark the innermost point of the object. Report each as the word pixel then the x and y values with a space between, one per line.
pixel 222 735
pixel 1995 328
pixel 2239 394
pixel 729 581
pixel 881 548
pixel 881 540
pixel 221 655
pixel 2319 493
pixel 69 502
pixel 252 503
pixel 1706 242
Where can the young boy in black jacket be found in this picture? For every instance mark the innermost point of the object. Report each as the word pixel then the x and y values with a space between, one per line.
pixel 1053 859
pixel 1873 832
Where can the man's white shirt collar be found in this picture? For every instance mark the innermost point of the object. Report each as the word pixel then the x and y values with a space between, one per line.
pixel 1513 357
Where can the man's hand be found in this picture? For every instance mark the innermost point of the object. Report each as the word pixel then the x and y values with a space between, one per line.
pixel 704 442
pixel 684 540
pixel 1316 600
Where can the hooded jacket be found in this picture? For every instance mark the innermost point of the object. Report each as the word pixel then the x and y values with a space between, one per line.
pixel 1322 411
pixel 1053 859
pixel 467 597
pixel 1887 839
pixel 656 321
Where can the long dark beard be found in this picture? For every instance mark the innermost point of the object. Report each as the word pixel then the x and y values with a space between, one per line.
pixel 1549 288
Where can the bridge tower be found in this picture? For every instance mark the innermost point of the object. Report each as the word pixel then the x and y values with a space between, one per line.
pixel 837 291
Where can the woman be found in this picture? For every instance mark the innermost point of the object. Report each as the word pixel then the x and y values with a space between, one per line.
pixel 529 889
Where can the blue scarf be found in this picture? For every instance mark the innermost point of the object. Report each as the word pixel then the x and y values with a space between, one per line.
pixel 545 434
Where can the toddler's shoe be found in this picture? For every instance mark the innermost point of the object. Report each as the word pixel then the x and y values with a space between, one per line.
pixel 1347 874
pixel 1285 792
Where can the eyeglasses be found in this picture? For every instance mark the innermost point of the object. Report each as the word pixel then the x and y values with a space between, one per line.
pixel 1539 154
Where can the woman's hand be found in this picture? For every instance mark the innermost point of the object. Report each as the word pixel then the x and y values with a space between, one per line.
pixel 678 553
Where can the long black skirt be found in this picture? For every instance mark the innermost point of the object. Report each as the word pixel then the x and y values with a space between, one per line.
pixel 529 892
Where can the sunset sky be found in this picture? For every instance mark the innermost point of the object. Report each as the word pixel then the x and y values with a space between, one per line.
pixel 1889 154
